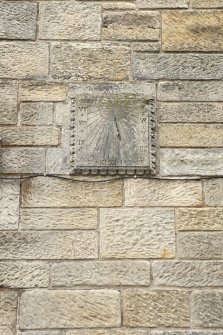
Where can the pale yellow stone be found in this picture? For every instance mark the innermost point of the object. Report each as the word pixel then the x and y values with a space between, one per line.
pixel 9 204
pixel 207 3
pixel 146 46
pixel 36 113
pixel 148 4
pixel 43 92
pixel 8 316
pixel 118 5
pixel 8 102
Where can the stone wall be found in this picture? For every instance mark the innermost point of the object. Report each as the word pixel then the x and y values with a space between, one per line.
pixel 125 256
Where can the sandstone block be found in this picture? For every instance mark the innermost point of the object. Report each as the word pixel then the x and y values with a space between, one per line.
pixel 199 135
pixel 62 115
pixel 9 204
pixel 137 233
pixel 200 245
pixel 213 191
pixel 207 4
pixel 178 332
pixel 188 273
pixel 190 91
pixel 100 273
pixel 144 4
pixel 131 26
pixel 8 305
pixel 41 91
pixel 8 102
pixel 50 192
pixel 75 309
pixel 146 46
pixel 22 160
pixel 162 308
pixel 16 136
pixel 190 112
pixel 122 331
pixel 192 31
pixel 48 245
pixel 90 62
pixel 207 309
pixel 14 55
pixel 191 162
pixel 21 274
pixel 144 193
pixel 18 20
pixel 118 5
pixel 199 219
pixel 177 66
pixel 36 113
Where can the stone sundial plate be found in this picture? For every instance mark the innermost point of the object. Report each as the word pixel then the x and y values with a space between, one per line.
pixel 112 134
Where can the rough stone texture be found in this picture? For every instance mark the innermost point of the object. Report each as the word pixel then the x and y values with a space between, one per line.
pixel 56 218
pixel 146 46
pixel 111 331
pixel 213 191
pixel 70 20
pixel 34 56
pixel 24 274
pixel 179 332
pixel 188 273
pixel 9 204
pixel 190 112
pixel 137 233
pixel 190 91
pixel 199 219
pixel 144 193
pixel 162 3
pixel 75 309
pixel 186 135
pixel 207 3
pixel 22 160
pixel 131 26
pixel 177 66
pixel 52 192
pixel 118 5
pixel 8 102
pixel 8 306
pixel 191 162
pixel 200 245
pixel 192 31
pixel 48 245
pixel 40 91
pixel 207 309
pixel 100 273
pixel 90 62
pixel 145 308
pixel 18 20
pixel 29 136
pixel 36 113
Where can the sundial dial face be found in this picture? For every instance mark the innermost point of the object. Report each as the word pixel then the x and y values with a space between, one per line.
pixel 111 134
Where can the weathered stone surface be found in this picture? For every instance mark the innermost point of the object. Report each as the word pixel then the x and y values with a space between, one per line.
pixel 118 5
pixel 192 31
pixel 62 114
pixel 131 26
pixel 146 46
pixel 199 219
pixel 207 309
pixel 187 135
pixel 200 245
pixel 36 113
pixel 40 91
pixel 162 193
pixel 145 308
pixel 48 245
pixel 24 274
pixel 190 91
pixel 8 102
pixel 9 204
pixel 70 20
pixel 162 3
pixel 207 3
pixel 52 192
pixel 178 332
pixel 24 60
pixel 116 331
pixel 75 309
pixel 213 192
pixel 22 160
pixel 191 162
pixel 100 273
pixel 90 62
pixel 56 218
pixel 177 66
pixel 42 332
pixel 8 306
pixel 190 112
pixel 137 233
pixel 18 20
pixel 188 273
pixel 16 136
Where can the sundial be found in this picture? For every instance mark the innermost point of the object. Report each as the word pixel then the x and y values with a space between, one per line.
pixel 112 134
